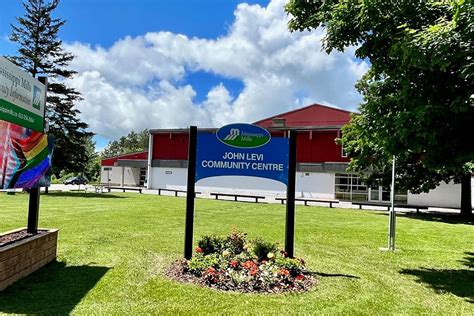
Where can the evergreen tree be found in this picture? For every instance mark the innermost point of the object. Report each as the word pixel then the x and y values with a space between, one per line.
pixel 41 54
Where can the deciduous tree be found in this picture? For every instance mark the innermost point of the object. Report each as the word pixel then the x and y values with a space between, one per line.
pixel 133 142
pixel 418 93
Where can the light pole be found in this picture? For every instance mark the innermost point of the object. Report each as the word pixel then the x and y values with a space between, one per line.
pixel 392 214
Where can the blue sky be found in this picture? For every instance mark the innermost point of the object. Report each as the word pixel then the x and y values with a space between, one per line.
pixel 162 64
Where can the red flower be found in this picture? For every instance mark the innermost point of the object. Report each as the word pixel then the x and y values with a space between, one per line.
pixel 299 277
pixel 211 270
pixel 249 265
pixel 234 263
pixel 283 272
pixel 253 271
pixel 199 250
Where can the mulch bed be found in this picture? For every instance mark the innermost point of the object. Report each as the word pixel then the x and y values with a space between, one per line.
pixel 177 272
pixel 16 236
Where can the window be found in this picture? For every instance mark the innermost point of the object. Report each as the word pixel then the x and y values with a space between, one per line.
pixel 343 152
pixel 350 187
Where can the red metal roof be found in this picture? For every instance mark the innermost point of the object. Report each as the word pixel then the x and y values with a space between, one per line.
pixel 315 115
pixel 110 161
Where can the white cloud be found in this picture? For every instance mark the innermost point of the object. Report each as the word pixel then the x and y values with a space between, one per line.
pixel 140 82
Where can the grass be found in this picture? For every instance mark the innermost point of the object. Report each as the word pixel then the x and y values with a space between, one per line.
pixel 113 249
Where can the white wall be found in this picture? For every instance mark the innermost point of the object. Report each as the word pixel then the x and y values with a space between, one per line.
pixel 445 195
pixel 168 178
pixel 131 176
pixel 315 184
pixel 115 175
pixel 320 185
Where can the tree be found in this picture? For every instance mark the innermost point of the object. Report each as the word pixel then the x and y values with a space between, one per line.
pixel 41 54
pixel 131 143
pixel 92 169
pixel 418 93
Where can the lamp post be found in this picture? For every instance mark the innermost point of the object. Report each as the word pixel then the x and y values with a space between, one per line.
pixel 392 214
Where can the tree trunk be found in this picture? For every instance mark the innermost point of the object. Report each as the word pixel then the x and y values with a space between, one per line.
pixel 46 190
pixel 466 206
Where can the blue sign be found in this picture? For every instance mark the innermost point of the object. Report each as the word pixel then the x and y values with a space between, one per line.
pixel 242 150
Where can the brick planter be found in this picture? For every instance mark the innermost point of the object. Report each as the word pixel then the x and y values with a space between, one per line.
pixel 25 256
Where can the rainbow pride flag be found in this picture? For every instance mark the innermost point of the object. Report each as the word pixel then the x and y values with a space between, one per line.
pixel 25 157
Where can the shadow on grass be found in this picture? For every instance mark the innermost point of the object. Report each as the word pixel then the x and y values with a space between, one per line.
pixel 458 282
pixel 54 289
pixel 85 195
pixel 332 275
pixel 448 218
pixel 469 260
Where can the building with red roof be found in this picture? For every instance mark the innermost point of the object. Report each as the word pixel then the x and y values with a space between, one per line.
pixel 321 163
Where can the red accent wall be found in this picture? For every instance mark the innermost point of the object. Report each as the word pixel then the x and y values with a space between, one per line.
pixel 321 148
pixel 174 147
pixel 135 156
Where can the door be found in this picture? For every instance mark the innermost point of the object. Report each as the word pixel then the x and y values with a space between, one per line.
pixel 379 194
pixel 143 174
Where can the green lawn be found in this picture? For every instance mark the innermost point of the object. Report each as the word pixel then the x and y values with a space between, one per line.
pixel 113 249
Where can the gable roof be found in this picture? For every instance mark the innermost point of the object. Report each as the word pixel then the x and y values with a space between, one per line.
pixel 315 115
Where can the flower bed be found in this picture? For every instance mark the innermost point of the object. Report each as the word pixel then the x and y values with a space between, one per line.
pixel 232 263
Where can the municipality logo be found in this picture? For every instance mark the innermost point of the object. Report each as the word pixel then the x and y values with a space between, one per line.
pixel 233 134
pixel 37 98
pixel 243 135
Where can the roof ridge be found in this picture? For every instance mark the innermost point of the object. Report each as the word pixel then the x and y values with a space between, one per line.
pixel 134 153
pixel 301 109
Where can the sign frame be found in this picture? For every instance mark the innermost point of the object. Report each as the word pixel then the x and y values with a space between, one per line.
pixel 191 193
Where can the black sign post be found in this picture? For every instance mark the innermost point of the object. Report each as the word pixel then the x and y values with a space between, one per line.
pixel 290 198
pixel 190 193
pixel 33 210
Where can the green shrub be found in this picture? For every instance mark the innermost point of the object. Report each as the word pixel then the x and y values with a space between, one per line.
pixel 236 241
pixel 55 180
pixel 199 263
pixel 262 248
pixel 295 266
pixel 211 244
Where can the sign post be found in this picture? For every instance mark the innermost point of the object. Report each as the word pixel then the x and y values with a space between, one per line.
pixel 290 198
pixel 190 194
pixel 241 150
